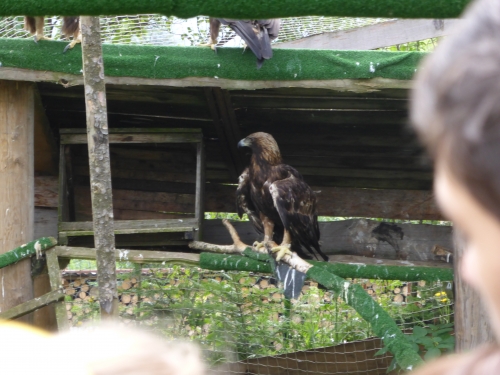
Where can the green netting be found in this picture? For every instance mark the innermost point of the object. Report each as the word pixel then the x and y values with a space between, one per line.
pixel 242 316
pixel 229 63
pixel 239 9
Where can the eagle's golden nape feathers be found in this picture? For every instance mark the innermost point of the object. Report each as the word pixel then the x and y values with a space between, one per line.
pixel 263 146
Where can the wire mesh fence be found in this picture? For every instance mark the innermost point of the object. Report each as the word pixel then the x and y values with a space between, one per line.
pixel 155 29
pixel 241 316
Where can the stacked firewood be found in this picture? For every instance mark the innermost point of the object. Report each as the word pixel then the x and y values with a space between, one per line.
pixel 82 293
pixel 397 294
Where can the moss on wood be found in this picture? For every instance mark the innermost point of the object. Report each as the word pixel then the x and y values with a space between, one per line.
pixel 26 250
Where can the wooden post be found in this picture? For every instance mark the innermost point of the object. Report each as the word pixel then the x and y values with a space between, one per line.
pixel 100 169
pixel 472 326
pixel 16 188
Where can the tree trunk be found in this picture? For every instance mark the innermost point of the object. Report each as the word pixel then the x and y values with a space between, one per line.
pixel 100 169
pixel 472 326
pixel 16 188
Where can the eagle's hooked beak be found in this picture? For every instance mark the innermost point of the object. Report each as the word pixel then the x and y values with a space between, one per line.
pixel 245 142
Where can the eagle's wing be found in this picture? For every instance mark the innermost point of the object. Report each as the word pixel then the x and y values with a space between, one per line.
pixel 272 26
pixel 296 204
pixel 244 202
pixel 255 36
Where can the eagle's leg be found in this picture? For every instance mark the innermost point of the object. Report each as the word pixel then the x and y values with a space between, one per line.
pixel 268 235
pixel 284 247
pixel 39 22
pixel 214 33
pixel 77 39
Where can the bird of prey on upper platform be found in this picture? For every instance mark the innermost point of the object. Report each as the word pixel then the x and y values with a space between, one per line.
pixel 257 34
pixel 70 27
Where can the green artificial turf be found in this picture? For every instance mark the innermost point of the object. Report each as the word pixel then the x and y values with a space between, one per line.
pixel 381 272
pixel 239 8
pixel 259 263
pixel 228 63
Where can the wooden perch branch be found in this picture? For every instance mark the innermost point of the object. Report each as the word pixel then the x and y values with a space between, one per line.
pixel 238 247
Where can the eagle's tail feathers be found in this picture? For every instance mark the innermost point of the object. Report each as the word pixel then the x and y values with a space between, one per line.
pixel 30 24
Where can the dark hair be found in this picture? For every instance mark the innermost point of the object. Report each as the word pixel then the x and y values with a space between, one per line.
pixel 456 103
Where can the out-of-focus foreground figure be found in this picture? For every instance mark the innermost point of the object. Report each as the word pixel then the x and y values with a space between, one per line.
pixel 456 111
pixel 99 350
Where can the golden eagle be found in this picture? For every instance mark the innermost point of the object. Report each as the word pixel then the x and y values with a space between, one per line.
pixel 257 34
pixel 70 27
pixel 277 200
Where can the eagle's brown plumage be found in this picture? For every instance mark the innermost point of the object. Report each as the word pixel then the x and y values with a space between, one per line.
pixel 276 198
pixel 257 34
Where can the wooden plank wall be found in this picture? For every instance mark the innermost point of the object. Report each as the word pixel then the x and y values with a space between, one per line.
pixel 333 201
pixel 360 237
pixel 149 181
pixel 17 113
pixel 350 358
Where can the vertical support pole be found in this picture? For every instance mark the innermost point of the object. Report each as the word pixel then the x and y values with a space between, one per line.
pixel 472 327
pixel 16 188
pixel 200 188
pixel 55 284
pixel 99 163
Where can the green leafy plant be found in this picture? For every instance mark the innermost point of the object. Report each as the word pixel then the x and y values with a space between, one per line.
pixel 431 342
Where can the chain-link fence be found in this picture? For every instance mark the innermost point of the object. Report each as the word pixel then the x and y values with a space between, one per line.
pixel 154 29
pixel 238 316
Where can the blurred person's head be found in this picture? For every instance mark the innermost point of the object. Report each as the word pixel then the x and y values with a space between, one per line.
pixel 116 350
pixel 95 350
pixel 456 111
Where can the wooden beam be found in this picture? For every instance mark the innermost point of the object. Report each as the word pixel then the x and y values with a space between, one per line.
pixel 225 148
pixel 16 188
pixel 383 34
pixel 131 224
pixel 136 256
pixel 230 123
pixel 342 85
pixel 472 327
pixel 33 305
pixel 100 168
pixel 46 149
pixel 199 209
pixel 56 284
pixel 75 139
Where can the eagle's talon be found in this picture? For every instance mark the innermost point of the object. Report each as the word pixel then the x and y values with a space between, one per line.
pixel 38 37
pixel 211 43
pixel 73 43
pixel 258 245
pixel 282 250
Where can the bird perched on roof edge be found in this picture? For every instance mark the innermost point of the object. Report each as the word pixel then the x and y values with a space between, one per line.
pixel 257 35
pixel 277 200
pixel 70 27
